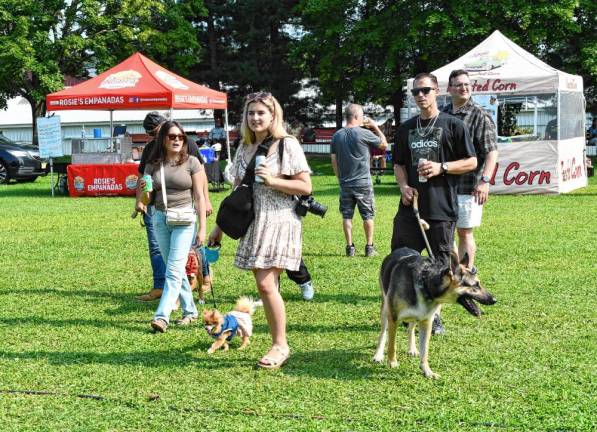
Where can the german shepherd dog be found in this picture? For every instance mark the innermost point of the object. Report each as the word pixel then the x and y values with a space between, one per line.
pixel 413 288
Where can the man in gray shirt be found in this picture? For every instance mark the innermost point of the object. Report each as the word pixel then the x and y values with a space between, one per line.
pixel 350 161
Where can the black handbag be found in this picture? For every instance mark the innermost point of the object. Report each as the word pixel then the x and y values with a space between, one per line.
pixel 236 212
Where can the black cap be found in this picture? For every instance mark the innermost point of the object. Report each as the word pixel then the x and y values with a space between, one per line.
pixel 153 120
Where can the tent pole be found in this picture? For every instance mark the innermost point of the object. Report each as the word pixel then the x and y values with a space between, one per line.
pixel 227 134
pixel 112 128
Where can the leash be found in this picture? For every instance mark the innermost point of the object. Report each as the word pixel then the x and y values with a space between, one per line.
pixel 422 223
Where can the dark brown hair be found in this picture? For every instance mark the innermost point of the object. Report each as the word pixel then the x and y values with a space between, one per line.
pixel 158 153
pixel 422 75
pixel 456 73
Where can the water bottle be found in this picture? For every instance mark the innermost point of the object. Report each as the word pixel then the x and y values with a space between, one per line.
pixel 148 183
pixel 258 161
pixel 422 179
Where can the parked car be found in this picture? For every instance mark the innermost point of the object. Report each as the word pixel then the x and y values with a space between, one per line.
pixel 19 162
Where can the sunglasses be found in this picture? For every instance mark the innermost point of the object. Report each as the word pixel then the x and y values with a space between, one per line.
pixel 258 96
pixel 173 137
pixel 461 85
pixel 417 90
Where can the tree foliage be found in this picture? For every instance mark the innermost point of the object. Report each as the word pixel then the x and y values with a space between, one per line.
pixel 42 41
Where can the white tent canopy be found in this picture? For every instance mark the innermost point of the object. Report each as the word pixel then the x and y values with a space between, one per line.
pixel 532 161
pixel 498 65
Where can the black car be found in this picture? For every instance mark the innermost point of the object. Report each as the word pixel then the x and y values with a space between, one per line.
pixel 19 162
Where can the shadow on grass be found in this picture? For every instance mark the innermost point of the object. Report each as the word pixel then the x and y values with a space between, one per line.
pixel 340 364
pixel 19 192
pixel 146 359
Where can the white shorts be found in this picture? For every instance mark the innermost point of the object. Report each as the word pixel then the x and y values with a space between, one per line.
pixel 469 212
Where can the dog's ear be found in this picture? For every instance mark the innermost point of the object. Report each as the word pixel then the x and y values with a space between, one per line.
pixel 454 262
pixel 446 276
pixel 465 260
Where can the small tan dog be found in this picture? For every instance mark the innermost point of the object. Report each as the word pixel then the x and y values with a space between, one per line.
pixel 224 327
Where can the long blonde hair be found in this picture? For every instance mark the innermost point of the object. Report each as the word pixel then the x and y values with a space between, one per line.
pixel 276 128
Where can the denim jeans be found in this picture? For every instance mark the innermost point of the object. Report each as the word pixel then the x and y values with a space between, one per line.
pixel 175 243
pixel 158 267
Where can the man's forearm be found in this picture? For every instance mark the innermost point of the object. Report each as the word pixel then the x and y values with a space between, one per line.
pixel 490 162
pixel 462 166
pixel 335 166
pixel 401 176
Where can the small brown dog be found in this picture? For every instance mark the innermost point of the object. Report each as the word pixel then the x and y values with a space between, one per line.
pixel 224 327
pixel 195 276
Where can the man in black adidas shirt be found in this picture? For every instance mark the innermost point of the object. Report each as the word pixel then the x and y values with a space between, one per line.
pixel 444 144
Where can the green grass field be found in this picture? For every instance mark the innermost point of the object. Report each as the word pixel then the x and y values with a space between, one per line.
pixel 76 353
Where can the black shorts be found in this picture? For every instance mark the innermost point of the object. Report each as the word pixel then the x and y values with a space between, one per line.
pixel 407 233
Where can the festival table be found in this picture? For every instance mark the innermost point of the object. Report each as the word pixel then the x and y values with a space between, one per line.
pixel 102 179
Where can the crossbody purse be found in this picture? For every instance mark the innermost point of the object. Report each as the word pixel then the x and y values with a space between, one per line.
pixel 179 215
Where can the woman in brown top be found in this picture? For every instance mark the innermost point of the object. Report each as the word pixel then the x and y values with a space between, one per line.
pixel 184 185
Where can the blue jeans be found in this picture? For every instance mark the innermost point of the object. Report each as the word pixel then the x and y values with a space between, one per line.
pixel 175 243
pixel 157 262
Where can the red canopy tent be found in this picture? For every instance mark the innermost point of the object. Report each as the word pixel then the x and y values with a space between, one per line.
pixel 138 83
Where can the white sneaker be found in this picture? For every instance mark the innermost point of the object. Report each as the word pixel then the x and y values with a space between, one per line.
pixel 258 303
pixel 307 290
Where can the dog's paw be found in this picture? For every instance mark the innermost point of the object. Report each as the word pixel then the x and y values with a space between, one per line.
pixel 413 353
pixel 211 351
pixel 428 373
pixel 393 363
pixel 378 358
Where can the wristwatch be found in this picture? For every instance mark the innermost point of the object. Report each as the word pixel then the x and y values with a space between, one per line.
pixel 445 168
pixel 485 179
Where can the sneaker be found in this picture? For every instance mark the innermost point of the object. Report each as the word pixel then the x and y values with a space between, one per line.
pixel 159 325
pixel 370 251
pixel 258 303
pixel 350 250
pixel 437 328
pixel 154 294
pixel 307 290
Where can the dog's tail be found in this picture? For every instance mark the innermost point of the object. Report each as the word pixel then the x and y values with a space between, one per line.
pixel 245 304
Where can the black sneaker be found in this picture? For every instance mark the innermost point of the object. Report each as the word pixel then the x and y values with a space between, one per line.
pixel 437 328
pixel 350 250
pixel 370 251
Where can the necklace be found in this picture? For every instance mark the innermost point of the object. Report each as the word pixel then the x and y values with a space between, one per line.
pixel 424 131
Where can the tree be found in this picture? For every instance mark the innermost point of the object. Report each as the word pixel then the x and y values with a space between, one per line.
pixel 247 49
pixel 42 41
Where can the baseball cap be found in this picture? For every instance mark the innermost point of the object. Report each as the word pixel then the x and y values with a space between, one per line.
pixel 153 120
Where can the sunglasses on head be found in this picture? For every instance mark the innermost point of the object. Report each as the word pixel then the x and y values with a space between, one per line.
pixel 258 96
pixel 173 137
pixel 417 90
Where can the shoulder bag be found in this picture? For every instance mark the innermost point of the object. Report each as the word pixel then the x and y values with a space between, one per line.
pixel 236 212
pixel 176 216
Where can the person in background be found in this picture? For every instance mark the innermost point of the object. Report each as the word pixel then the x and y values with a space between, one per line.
pixel 473 187
pixel 184 186
pixel 350 161
pixel 217 135
pixel 273 241
pixel 151 125
pixel 592 132
pixel 432 149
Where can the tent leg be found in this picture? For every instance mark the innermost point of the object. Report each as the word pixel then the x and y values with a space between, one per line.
pixel 227 134
pixel 111 128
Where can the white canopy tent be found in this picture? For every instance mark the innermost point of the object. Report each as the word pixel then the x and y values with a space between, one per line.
pixel 531 160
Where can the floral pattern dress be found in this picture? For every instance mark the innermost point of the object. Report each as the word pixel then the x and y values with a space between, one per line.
pixel 274 239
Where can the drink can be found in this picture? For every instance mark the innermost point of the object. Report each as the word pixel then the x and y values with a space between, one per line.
pixel 422 179
pixel 148 183
pixel 258 161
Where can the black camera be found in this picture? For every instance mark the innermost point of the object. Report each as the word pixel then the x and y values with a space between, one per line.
pixel 306 203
